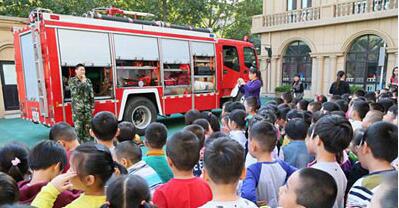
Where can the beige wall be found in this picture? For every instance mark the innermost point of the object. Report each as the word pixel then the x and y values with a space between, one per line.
pixel 328 43
pixel 7 47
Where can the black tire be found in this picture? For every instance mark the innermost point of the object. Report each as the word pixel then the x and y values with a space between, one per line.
pixel 136 108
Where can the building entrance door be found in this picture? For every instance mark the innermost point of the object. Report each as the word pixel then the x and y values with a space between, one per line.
pixel 9 85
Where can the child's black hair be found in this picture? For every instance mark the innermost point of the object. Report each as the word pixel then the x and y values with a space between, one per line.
pixel 203 123
pixel 316 189
pixel 283 105
pixel 394 110
pixel 382 138
pixel 45 154
pixel 127 131
pixel 62 130
pixel 303 105
pixel 294 113
pixel 156 135
pixel 198 131
pixel 265 134
pixel 387 103
pixel 316 106
pixel 234 106
pixel 191 116
pixel 361 107
pixel 330 107
pixel 9 192
pixel 213 121
pixel 183 149
pixel 283 113
pixel 128 191
pixel 310 131
pixel 214 136
pixel 296 129
pixel 316 116
pixel 343 105
pixel 268 115
pixel 335 132
pixel 238 117
pixel 94 159
pixel 287 97
pixel 358 136
pixel 278 101
pixel 307 117
pixel 252 102
pixel 377 106
pixel 339 113
pixel 322 99
pixel 19 154
pixel 359 93
pixel 371 97
pixel 104 126
pixel 128 150
pixel 346 97
pixel 224 161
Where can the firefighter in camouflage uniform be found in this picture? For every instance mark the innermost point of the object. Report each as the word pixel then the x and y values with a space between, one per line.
pixel 82 103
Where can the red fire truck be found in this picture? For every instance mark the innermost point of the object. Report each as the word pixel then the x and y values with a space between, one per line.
pixel 139 68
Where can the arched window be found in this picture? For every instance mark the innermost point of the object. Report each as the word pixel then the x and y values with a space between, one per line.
pixel 362 62
pixel 297 60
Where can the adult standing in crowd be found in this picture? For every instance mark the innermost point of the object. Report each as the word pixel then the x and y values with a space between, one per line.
pixel 251 88
pixel 297 87
pixel 340 86
pixel 393 82
pixel 82 102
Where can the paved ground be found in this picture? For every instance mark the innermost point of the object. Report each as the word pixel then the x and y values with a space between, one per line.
pixel 30 133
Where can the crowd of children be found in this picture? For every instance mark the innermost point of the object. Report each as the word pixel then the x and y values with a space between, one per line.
pixel 337 152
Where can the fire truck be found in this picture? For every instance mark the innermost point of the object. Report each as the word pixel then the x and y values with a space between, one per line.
pixel 139 68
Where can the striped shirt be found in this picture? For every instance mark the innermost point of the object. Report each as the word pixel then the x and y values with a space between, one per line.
pixel 145 171
pixel 361 192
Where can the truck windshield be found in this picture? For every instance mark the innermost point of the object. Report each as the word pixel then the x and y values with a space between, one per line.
pixel 249 57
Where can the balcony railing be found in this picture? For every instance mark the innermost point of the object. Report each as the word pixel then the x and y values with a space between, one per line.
pixel 364 6
pixel 295 16
pixel 351 8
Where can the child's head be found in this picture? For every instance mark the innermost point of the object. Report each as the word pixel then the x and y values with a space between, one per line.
pixel 225 123
pixel 310 188
pixel 296 129
pixel 278 100
pixel 237 120
pixel 343 105
pixel 386 103
pixel 191 116
pixel 287 97
pixel 127 131
pixel 182 151
pixel 224 162
pixel 155 135
pixel 370 97
pixel 225 106
pixel 14 161
pixel 251 105
pixel 128 153
pixel 377 106
pixel 262 138
pixel 358 135
pixel 294 113
pixel 332 133
pixel 268 115
pixel 314 106
pixel 359 93
pixel 392 115
pixel 198 131
pixel 359 110
pixel 302 105
pixel 48 156
pixel 282 116
pixel 205 125
pixel 9 192
pixel 372 117
pixel 329 107
pixel 104 126
pixel 321 98
pixel 379 143
pixel 63 133
pixel 93 165
pixel 128 191
pixel 234 106
pixel 213 122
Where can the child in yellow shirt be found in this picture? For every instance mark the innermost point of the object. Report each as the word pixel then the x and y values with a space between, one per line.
pixel 91 166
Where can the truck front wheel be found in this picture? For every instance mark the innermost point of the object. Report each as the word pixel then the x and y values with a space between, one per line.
pixel 141 112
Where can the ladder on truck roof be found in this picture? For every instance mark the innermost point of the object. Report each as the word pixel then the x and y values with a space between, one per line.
pixel 37 50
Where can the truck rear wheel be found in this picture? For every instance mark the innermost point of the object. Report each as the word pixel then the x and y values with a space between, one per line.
pixel 141 112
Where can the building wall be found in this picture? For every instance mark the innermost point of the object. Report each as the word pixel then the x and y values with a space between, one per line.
pixel 329 43
pixel 7 46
